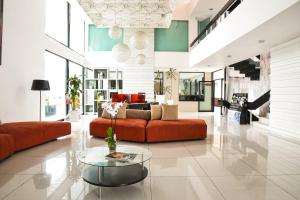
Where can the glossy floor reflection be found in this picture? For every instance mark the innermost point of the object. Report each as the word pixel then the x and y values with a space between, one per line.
pixel 234 162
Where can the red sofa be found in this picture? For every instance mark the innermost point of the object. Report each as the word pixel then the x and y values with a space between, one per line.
pixel 21 135
pixel 129 98
pixel 140 130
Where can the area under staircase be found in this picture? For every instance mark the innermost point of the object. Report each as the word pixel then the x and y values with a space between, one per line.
pixel 248 107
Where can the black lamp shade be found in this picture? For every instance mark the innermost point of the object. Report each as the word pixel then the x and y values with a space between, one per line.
pixel 40 85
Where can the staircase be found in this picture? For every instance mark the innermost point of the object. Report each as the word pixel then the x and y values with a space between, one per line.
pixel 249 68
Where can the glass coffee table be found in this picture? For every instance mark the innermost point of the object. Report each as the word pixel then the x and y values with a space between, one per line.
pixel 101 171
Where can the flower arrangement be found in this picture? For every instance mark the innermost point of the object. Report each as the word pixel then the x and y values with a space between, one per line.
pixel 113 110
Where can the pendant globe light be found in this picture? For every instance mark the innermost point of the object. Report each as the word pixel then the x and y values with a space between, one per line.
pixel 121 52
pixel 115 32
pixel 139 40
pixel 141 59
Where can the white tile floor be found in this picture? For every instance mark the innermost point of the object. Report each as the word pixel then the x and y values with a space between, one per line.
pixel 234 162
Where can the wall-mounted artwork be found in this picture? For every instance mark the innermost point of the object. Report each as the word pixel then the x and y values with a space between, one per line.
pixel 1 29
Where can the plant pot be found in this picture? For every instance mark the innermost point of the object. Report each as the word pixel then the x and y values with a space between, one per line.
pixel 74 116
pixel 112 148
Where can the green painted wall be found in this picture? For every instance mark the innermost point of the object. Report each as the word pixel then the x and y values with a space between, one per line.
pixel 176 38
pixel 99 39
pixel 201 26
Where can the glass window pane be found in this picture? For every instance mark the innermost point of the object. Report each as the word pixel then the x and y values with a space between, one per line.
pixel 55 101
pixel 190 88
pixel 57 20
pixel 77 31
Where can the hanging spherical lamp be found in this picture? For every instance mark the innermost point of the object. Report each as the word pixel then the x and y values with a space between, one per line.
pixel 139 40
pixel 115 32
pixel 121 52
pixel 141 59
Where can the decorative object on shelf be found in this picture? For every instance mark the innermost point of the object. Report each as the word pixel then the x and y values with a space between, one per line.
pixel 73 97
pixel 115 32
pixel 111 138
pixel 141 59
pixel 40 85
pixel 170 76
pixel 139 40
pixel 121 52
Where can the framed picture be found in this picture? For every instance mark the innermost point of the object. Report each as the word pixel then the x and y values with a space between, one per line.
pixel 1 28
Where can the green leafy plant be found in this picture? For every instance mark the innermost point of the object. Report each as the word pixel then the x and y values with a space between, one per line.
pixel 110 139
pixel 74 84
pixel 172 76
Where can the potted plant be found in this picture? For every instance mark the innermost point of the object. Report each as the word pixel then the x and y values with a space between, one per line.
pixel 112 110
pixel 169 89
pixel 74 85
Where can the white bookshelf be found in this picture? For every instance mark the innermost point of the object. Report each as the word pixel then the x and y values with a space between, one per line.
pixel 100 85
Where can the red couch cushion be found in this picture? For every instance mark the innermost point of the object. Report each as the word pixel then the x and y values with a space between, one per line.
pixel 137 98
pixel 126 129
pixel 183 129
pixel 27 134
pixel 7 145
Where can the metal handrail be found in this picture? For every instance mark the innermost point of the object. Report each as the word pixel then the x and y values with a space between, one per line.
pixel 212 23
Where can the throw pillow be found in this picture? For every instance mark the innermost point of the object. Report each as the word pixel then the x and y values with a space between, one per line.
pixel 156 112
pixel 121 113
pixel 138 114
pixel 169 112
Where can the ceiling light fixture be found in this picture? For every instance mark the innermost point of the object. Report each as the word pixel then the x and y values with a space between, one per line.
pixel 121 52
pixel 141 59
pixel 115 31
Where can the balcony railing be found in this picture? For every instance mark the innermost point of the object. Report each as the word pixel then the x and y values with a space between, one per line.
pixel 218 18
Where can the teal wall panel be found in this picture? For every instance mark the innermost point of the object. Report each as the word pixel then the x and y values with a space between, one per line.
pixel 201 26
pixel 99 39
pixel 175 38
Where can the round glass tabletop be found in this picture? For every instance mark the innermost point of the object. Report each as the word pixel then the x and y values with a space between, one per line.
pixel 97 156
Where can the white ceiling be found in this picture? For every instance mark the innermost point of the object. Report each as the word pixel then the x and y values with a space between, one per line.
pixel 202 9
pixel 130 13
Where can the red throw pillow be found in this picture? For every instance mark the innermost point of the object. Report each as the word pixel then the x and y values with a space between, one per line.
pixel 138 98
pixel 134 98
pixel 119 98
pixel 141 98
pixel 115 98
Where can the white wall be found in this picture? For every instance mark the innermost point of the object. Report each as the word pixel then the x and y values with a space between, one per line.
pixel 136 77
pixel 24 43
pixel 285 88
pixel 22 59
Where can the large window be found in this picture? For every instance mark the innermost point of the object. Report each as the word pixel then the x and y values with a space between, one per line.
pixel 57 20
pixel 55 101
pixel 77 31
pixel 75 69
pixel 190 86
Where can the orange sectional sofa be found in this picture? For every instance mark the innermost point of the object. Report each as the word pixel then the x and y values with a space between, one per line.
pixel 21 135
pixel 140 130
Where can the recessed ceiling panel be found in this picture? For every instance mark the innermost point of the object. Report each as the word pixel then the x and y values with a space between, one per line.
pixel 130 13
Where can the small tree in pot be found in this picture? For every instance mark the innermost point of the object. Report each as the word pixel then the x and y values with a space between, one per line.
pixel 74 91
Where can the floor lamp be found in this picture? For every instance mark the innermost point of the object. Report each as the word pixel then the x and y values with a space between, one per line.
pixel 40 85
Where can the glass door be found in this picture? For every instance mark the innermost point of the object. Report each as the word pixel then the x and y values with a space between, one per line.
pixel 206 89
